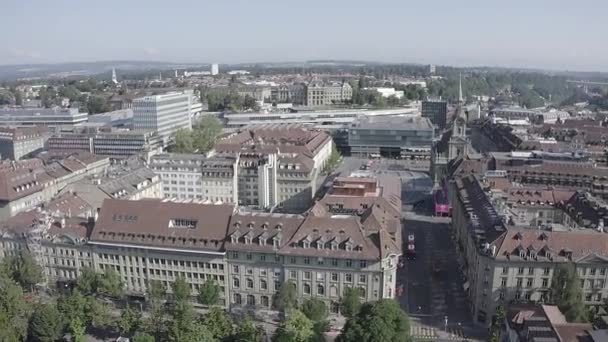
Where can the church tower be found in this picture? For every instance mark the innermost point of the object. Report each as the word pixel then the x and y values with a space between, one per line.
pixel 458 141
pixel 114 78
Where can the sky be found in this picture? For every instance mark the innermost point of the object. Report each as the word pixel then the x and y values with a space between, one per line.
pixel 556 34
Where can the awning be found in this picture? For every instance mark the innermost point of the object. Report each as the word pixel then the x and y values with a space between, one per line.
pixel 465 286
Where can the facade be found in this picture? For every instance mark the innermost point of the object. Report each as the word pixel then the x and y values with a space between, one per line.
pixel 436 111
pixel 458 145
pixel 317 94
pixel 259 93
pixel 408 137
pixel 250 256
pixel 196 176
pixel 163 114
pixel 506 264
pixel 278 164
pixel 535 116
pixel 116 144
pixel 22 116
pixel 293 93
pixel 18 142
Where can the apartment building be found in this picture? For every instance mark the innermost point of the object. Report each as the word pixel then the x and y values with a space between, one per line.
pixel 249 255
pixel 22 189
pixel 505 264
pixel 294 93
pixel 163 114
pixel 17 142
pixel 196 176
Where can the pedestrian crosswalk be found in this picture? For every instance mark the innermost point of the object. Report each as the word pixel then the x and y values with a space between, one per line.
pixel 421 332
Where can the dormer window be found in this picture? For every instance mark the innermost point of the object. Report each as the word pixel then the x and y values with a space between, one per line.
pixel 262 241
pixel 348 246
pixel 334 245
pixel 305 244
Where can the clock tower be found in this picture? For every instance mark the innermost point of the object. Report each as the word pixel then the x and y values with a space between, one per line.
pixel 458 143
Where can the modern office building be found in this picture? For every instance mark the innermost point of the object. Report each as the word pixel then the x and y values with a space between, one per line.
pixel 407 137
pixel 115 144
pixel 22 116
pixel 436 111
pixel 16 142
pixel 164 114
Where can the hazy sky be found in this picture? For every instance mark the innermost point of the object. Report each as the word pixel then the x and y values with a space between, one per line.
pixel 553 34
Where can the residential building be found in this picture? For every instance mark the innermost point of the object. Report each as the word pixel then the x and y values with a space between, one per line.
pixel 22 189
pixel 114 143
pixel 534 115
pixel 23 116
pixel 407 137
pixel 293 93
pixel 537 322
pixel 17 142
pixel 259 93
pixel 504 263
pixel 436 111
pixel 163 114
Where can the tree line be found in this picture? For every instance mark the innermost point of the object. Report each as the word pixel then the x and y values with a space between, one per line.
pixel 200 139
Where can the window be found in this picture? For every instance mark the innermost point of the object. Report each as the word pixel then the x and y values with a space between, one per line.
pixel 600 283
pixel 307 275
pixel 249 257
pixel 265 301
pixel 277 285
pixel 527 296
pixel 293 274
pixel 235 268
pixel 250 300
pixel 292 260
pixel 307 261
pixel 520 270
pixel 598 297
pixel 306 288
pixel 546 271
pixel 349 263
pixel 505 270
pixel 517 295
pixel 545 282
pixel 588 297
pixel 529 282
pixel 334 262
pixel 237 299
pixel 531 271
pixel 503 282
pixel 235 255
pixel 593 270
pixel 320 290
pixel 249 283
pixel 236 283
pixel 334 277
pixel 263 285
pixel 263 257
pixel 501 295
pixel 250 271
pixel 362 278
pixel 519 282
pixel 362 264
pixel 348 278
pixel 602 271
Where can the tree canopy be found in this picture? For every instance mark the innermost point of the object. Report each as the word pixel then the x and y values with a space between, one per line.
pixel 46 324
pixel 315 309
pixel 285 298
pixel 201 138
pixel 350 303
pixel 296 328
pixel 209 293
pixel 381 321
pixel 567 294
pixel 23 269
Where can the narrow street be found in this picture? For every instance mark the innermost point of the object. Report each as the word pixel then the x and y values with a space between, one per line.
pixel 433 286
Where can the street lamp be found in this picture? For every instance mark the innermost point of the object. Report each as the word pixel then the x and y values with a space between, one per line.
pixel 446 323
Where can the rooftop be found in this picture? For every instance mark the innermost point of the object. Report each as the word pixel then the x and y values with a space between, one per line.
pixel 393 123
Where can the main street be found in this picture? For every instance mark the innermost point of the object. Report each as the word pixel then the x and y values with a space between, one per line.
pixel 433 286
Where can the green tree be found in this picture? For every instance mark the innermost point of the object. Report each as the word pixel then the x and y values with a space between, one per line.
pixel 247 331
pixel 333 160
pixel 97 104
pixel 129 321
pixel 88 281
pixel 143 337
pixel 74 308
pixel 393 101
pixel 70 92
pixel 296 328
pixel 14 311
pixel 156 296
pixel 23 269
pixel 48 97
pixel 350 303
pixel 209 293
pixel 18 98
pixel 99 313
pixel 182 324
pixel 110 284
pixel 218 323
pixel 78 330
pixel 285 298
pixel 46 324
pixel 183 141
pixel 315 309
pixel 249 102
pixel 496 328
pixel 206 133
pixel 382 321
pixel 566 292
pixel 181 290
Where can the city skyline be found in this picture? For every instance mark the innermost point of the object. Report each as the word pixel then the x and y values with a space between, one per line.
pixel 541 35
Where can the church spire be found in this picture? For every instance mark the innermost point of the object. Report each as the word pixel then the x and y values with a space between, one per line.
pixel 460 100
